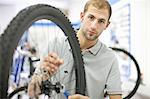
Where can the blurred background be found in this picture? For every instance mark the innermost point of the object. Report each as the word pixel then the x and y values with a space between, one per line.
pixel 129 28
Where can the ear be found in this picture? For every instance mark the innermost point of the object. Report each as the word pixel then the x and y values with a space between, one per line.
pixel 81 16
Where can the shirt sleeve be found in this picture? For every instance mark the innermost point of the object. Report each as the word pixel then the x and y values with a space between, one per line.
pixel 113 84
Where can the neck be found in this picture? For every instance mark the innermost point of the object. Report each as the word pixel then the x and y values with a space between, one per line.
pixel 84 43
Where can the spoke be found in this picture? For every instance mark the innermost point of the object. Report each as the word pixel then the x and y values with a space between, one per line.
pixel 66 76
pixel 53 95
pixel 58 73
pixel 70 89
pixel 69 81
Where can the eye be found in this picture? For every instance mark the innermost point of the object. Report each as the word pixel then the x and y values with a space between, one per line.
pixel 91 17
pixel 101 21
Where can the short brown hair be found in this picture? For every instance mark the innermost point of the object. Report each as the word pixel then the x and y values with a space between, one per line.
pixel 99 4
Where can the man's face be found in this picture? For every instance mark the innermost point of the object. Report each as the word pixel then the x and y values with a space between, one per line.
pixel 93 22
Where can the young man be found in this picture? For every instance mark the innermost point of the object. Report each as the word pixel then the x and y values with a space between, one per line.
pixel 101 65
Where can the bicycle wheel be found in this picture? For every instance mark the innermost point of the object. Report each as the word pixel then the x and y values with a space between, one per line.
pixel 130 72
pixel 57 25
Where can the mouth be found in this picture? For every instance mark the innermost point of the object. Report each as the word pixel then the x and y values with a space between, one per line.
pixel 92 32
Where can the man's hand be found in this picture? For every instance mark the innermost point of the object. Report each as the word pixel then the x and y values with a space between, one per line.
pixel 49 67
pixel 78 96
pixel 34 86
pixel 51 63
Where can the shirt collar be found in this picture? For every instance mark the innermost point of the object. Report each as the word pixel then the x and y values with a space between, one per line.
pixel 96 48
pixel 93 50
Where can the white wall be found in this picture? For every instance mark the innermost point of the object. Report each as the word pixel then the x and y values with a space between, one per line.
pixel 9 8
pixel 140 36
pixel 7 12
pixel 75 7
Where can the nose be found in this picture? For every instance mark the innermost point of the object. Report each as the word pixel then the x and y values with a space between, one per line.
pixel 94 24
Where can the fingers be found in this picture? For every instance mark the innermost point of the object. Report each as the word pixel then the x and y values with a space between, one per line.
pixel 52 63
pixel 78 96
pixel 54 58
pixel 51 68
pixel 34 86
pixel 31 89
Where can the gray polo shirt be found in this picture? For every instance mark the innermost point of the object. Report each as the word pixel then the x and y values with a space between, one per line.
pixel 101 68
